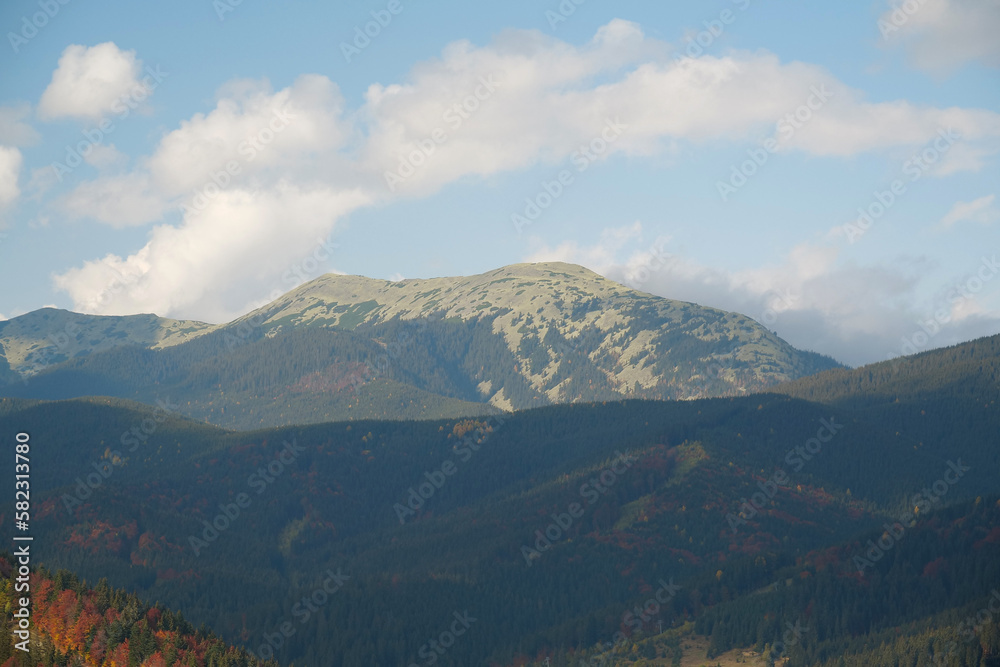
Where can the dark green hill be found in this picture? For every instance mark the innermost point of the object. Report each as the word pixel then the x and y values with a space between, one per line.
pixel 968 371
pixel 289 504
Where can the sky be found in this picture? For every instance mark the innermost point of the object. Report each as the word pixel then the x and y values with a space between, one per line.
pixel 829 169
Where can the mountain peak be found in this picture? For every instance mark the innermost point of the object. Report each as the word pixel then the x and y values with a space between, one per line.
pixel 552 315
pixel 519 336
pixel 543 288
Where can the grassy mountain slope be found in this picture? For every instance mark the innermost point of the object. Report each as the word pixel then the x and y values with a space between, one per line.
pixel 304 376
pixel 345 347
pixel 552 313
pixel 48 336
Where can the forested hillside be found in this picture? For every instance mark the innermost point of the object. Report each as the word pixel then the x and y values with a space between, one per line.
pixel 545 525
pixel 957 373
pixel 73 624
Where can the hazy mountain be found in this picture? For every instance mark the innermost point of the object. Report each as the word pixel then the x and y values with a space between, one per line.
pixel 46 337
pixel 346 347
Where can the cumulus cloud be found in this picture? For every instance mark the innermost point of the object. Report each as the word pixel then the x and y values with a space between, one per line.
pixel 546 99
pixel 979 210
pixel 120 201
pixel 257 180
pixel 814 298
pixel 600 256
pixel 939 35
pixel 526 98
pixel 257 128
pixel 219 260
pixel 254 136
pixel 90 81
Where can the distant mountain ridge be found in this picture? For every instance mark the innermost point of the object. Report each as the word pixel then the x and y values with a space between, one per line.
pixel 32 342
pixel 560 307
pixel 521 336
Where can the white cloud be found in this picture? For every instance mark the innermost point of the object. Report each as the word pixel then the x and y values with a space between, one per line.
pixel 13 130
pixel 90 82
pixel 267 136
pixel 120 201
pixel 940 35
pixel 814 299
pixel 601 256
pixel 10 171
pixel 524 99
pixel 980 210
pixel 218 260
pixel 257 128
pixel 551 98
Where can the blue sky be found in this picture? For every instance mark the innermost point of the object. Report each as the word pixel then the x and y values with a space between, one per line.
pixel 675 102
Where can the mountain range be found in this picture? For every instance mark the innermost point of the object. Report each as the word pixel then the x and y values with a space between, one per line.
pixel 495 471
pixel 859 507
pixel 346 347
